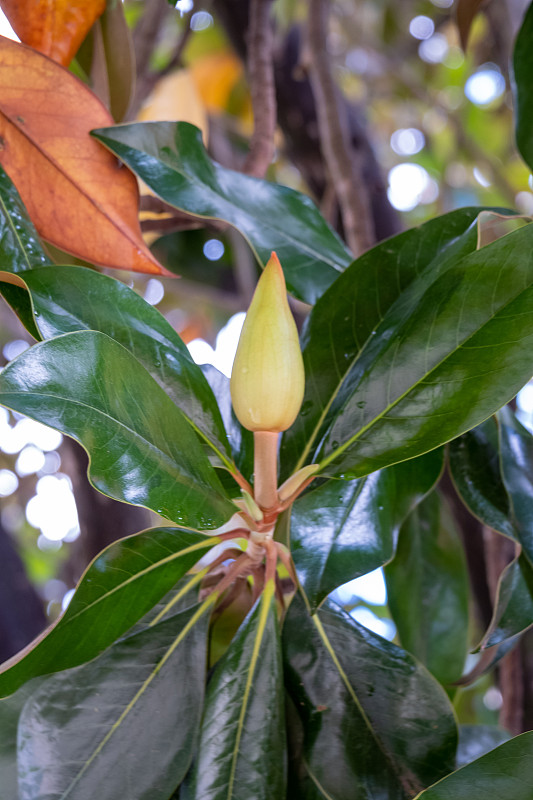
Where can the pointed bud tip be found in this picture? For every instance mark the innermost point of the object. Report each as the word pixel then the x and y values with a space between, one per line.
pixel 267 380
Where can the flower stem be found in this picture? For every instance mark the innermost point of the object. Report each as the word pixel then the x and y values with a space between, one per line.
pixel 266 468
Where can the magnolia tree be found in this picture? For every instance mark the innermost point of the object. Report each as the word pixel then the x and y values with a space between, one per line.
pixel 205 658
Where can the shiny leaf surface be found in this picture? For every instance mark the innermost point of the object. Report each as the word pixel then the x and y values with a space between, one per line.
pixel 54 27
pixel 171 159
pixel 20 248
pixel 70 185
pixel 104 717
pixel 121 585
pixel 375 723
pixel 344 324
pixel 344 529
pixel 66 299
pixel 142 450
pixel 428 590
pixel 475 468
pixel 506 771
pixel 406 391
pixel 516 453
pixel 523 89
pixel 513 612
pixel 241 752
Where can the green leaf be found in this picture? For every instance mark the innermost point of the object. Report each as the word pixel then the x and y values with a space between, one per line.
pixel 476 740
pixel 121 721
pixel 513 610
pixel 10 710
pixel 475 469
pixel 344 529
pixel 20 246
pixel 241 440
pixel 516 452
pixel 428 590
pixel 141 448
pixel 121 585
pixel 67 299
pixel 376 724
pixel 171 159
pixel 345 323
pixel 506 771
pixel 523 90
pixel 445 357
pixel 241 753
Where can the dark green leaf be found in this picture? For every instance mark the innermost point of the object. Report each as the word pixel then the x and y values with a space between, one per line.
pixel 20 247
pixel 446 356
pixel 516 452
pixel 506 771
pixel 427 589
pixel 344 529
pixel 476 740
pixel 513 611
pixel 241 440
pixel 376 724
pixel 171 158
pixel 141 447
pixel 474 460
pixel 345 323
pixel 241 754
pixel 67 299
pixel 121 585
pixel 10 710
pixel 121 722
pixel 523 89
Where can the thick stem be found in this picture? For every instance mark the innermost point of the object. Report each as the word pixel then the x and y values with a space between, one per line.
pixel 266 468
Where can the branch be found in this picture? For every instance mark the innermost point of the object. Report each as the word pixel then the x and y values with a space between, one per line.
pixel 345 169
pixel 262 89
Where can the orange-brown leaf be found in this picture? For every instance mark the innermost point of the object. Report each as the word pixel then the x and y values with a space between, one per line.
pixel 78 196
pixel 54 27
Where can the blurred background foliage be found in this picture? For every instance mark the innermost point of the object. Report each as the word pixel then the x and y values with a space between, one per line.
pixel 434 127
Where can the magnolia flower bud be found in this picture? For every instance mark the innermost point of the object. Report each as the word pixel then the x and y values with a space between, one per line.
pixel 267 381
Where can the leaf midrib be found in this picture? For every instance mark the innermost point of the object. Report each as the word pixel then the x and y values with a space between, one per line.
pixel 78 403
pixel 298 243
pixel 332 456
pixel 115 222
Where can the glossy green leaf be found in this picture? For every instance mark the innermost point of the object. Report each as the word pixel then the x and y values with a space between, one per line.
pixel 171 159
pixel 241 754
pixel 513 610
pixel 345 323
pixel 120 586
pixel 142 449
pixel 476 740
pixel 475 468
pixel 121 722
pixel 20 246
pixel 506 771
pixel 67 299
pixel 428 590
pixel 20 250
pixel 344 529
pixel 453 349
pixel 241 440
pixel 516 453
pixel 523 90
pixel 376 724
pixel 10 710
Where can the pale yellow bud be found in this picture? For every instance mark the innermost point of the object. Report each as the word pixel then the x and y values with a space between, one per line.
pixel 267 381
